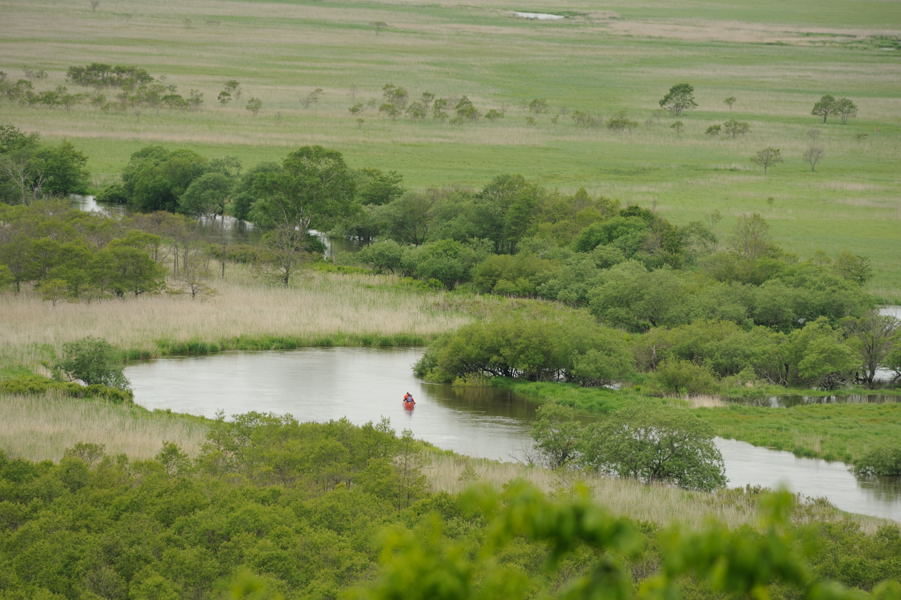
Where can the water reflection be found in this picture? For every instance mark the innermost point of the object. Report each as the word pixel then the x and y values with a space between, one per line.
pixel 90 204
pixel 812 477
pixel 320 384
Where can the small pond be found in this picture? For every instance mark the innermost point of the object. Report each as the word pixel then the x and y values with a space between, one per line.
pixel 320 384
pixel 538 16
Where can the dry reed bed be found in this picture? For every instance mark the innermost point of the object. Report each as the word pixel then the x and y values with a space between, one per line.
pixel 659 504
pixel 37 427
pixel 317 305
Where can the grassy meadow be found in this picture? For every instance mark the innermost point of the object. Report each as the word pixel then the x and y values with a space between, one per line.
pixel 776 59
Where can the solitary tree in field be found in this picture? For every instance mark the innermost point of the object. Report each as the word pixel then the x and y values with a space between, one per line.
pixel 813 155
pixel 678 126
pixel 767 157
pixel 254 105
pixel 679 99
pixel 825 107
pixel 730 101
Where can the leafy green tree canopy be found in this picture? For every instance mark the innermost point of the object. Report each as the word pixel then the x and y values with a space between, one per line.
pixel 678 99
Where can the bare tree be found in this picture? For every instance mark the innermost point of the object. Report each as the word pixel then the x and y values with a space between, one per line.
pixel 813 155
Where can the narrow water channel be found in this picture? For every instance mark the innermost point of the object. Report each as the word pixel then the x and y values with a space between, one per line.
pixel 320 384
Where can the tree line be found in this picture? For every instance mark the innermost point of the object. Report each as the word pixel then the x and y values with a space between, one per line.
pixel 628 267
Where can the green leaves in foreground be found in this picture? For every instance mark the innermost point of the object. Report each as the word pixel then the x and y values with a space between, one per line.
pixel 589 551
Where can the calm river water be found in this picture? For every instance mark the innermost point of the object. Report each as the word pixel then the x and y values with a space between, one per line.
pixel 319 384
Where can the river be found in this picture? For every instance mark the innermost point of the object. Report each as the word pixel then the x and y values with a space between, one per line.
pixel 320 384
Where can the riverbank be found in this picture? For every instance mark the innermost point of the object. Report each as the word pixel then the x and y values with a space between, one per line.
pixel 837 431
pixel 42 427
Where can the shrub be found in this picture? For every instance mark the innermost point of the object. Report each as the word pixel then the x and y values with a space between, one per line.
pixel 654 446
pixel 93 361
pixel 880 462
pixel 34 384
pixel 685 377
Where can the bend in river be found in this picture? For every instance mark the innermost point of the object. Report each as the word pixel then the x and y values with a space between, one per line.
pixel 363 385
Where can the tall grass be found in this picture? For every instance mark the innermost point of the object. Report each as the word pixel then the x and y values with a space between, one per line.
pixel 42 427
pixel 659 504
pixel 319 309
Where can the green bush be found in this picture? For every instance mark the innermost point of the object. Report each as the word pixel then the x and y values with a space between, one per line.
pixel 880 462
pixel 685 377
pixel 93 361
pixel 34 384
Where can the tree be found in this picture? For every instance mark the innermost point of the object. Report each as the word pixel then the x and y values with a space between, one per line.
pixel 767 157
pixel 734 128
pixel 678 127
pixel 678 99
pixel 730 101
pixel 655 446
pixel 557 435
pixel 93 361
pixel 853 267
pixel 123 269
pixel 824 107
pixel 621 123
pixel 538 106
pixel 812 156
pixel 207 196
pixel 155 178
pixel 845 109
pixel 713 130
pixel 874 336
pixel 254 105
pixel 378 188
pixel 466 110
pixel 751 237
pixel 312 189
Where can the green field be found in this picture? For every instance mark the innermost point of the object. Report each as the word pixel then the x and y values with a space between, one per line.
pixel 776 59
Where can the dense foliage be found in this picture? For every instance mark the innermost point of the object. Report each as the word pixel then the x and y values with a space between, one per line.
pixel 71 254
pixel 649 445
pixel 276 508
pixel 31 169
pixel 93 361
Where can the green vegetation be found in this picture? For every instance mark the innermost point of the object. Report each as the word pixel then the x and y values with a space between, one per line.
pixel 93 361
pixel 776 60
pixel 280 509
pixel 647 445
pixel 639 251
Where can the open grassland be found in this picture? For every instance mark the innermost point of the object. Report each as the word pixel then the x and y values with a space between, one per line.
pixel 776 58
pixel 318 306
